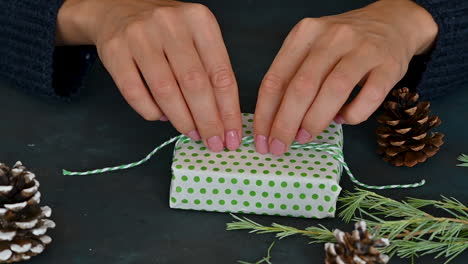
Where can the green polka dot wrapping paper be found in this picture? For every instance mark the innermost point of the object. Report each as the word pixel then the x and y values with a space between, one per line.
pixel 300 183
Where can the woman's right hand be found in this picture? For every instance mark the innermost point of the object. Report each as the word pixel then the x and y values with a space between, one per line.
pixel 168 60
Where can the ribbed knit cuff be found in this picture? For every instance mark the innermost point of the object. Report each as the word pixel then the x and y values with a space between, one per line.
pixel 27 51
pixel 447 64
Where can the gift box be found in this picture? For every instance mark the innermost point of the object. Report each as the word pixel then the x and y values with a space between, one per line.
pixel 300 183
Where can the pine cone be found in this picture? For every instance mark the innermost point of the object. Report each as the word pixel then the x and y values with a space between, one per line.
pixel 404 138
pixel 23 223
pixel 358 247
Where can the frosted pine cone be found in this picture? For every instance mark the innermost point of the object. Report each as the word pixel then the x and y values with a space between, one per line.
pixel 358 247
pixel 23 223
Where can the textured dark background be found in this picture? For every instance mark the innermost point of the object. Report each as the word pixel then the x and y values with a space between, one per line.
pixel 124 217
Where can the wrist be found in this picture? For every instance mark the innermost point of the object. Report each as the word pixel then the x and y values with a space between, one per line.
pixel 74 22
pixel 416 23
pixel 425 28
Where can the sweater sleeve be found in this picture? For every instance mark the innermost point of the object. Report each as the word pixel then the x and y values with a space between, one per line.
pixel 28 56
pixel 446 66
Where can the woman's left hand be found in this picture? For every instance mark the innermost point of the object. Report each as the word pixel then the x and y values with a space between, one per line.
pixel 323 59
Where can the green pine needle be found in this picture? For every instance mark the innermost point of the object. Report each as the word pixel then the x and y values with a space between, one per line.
pixel 463 158
pixel 316 234
pixel 412 231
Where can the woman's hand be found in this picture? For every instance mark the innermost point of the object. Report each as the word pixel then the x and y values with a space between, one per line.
pixel 323 59
pixel 168 60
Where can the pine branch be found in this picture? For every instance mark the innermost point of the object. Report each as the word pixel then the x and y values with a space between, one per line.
pixel 381 205
pixel 420 247
pixel 447 204
pixel 463 158
pixel 412 231
pixel 316 234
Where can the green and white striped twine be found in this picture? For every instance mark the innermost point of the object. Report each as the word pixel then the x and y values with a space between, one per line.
pixel 331 149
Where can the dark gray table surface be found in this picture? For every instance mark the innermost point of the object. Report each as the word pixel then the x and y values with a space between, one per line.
pixel 124 217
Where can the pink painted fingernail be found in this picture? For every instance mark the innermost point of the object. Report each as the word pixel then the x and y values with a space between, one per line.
pixel 261 144
pixel 164 118
pixel 339 119
pixel 303 136
pixel 215 144
pixel 194 135
pixel 232 139
pixel 277 147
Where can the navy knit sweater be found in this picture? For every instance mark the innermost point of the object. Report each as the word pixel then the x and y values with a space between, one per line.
pixel 29 59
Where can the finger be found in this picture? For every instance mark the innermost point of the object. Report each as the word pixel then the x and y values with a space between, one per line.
pixel 196 89
pixel 210 46
pixel 125 73
pixel 379 83
pixel 291 55
pixel 300 94
pixel 164 88
pixel 334 92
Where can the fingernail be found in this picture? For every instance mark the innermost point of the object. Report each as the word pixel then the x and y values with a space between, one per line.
pixel 339 119
pixel 232 139
pixel 194 135
pixel 277 147
pixel 215 144
pixel 163 118
pixel 261 144
pixel 303 136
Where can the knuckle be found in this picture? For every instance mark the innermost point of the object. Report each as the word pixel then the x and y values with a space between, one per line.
pixel 301 85
pixel 229 115
pixel 131 94
pixel 370 47
pixel 222 78
pixel 340 82
pixel 198 10
pixel 162 88
pixel 376 95
pixel 135 29
pixel 306 25
pixel 345 29
pixel 211 126
pixel 194 80
pixel 394 65
pixel 110 46
pixel 164 13
pixel 272 83
pixel 340 33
